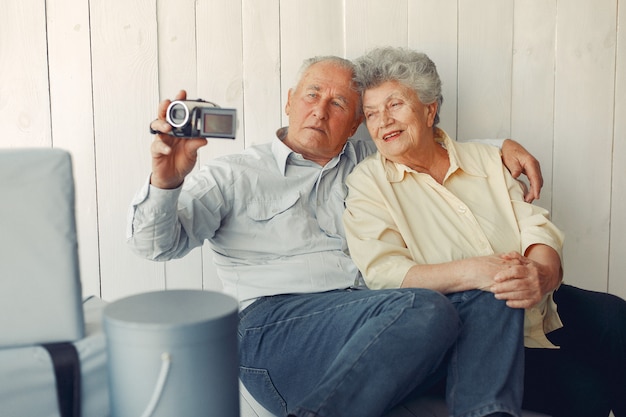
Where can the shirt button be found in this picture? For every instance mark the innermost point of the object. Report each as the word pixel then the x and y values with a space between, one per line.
pixel 462 209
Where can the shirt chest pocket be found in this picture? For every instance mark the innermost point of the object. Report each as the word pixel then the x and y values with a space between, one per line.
pixel 265 209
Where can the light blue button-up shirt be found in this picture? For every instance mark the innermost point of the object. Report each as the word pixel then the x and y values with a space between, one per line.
pixel 272 218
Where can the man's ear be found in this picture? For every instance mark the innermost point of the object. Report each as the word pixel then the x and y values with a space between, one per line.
pixel 356 125
pixel 288 105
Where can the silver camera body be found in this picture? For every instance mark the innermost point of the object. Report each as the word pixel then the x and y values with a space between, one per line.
pixel 199 118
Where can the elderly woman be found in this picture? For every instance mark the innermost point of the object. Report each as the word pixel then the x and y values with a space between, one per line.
pixel 429 212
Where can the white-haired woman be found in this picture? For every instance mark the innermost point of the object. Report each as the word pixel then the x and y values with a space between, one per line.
pixel 428 212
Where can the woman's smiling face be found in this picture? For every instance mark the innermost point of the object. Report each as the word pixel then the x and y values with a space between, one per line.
pixel 397 120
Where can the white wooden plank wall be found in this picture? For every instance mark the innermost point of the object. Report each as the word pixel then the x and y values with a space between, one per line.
pixel 87 76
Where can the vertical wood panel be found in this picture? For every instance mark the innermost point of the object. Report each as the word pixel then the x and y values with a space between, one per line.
pixel 24 99
pixel 72 117
pixel 532 117
pixel 372 23
pixel 585 65
pixel 177 63
pixel 124 42
pixel 485 43
pixel 617 270
pixel 177 48
pixel 433 30
pixel 261 70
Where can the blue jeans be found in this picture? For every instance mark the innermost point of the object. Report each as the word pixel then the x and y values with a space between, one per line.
pixel 361 352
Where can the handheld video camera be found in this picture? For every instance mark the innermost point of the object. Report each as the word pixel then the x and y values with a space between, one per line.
pixel 199 118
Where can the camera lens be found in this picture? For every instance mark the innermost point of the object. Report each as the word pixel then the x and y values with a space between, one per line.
pixel 177 114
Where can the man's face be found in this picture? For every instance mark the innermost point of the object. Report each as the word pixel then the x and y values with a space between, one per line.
pixel 322 112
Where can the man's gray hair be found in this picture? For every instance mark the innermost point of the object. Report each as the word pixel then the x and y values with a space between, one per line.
pixel 340 63
pixel 411 68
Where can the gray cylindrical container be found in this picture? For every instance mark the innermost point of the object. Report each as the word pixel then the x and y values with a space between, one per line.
pixel 173 353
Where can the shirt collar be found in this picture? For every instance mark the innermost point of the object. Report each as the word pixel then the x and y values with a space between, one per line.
pixel 395 171
pixel 282 152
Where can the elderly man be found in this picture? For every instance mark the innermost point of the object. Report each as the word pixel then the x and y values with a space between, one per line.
pixel 313 342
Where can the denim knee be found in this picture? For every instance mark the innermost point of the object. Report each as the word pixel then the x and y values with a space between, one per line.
pixel 435 311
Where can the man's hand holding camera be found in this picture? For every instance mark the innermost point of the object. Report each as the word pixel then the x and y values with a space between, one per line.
pixel 172 157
